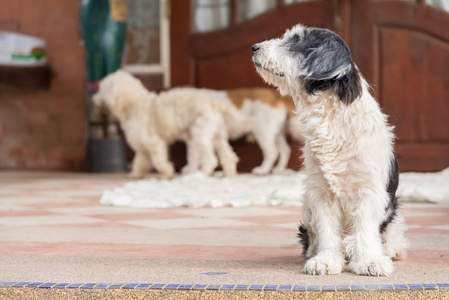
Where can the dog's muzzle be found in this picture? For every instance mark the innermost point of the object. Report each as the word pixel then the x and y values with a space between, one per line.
pixel 255 50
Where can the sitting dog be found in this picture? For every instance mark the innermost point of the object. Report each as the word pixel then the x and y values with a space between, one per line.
pixel 350 212
pixel 151 122
pixel 265 116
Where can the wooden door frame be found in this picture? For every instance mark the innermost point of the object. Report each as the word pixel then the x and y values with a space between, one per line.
pixel 187 46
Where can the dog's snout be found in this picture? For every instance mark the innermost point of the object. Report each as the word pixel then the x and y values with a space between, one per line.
pixel 255 48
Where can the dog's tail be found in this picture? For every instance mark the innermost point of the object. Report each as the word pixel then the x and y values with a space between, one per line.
pixel 303 238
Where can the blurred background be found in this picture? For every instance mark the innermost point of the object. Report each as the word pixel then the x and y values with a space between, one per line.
pixel 401 47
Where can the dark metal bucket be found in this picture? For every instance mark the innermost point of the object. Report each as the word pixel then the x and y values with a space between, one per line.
pixel 106 155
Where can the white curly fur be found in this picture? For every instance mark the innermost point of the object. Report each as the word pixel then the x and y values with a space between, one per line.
pixel 151 122
pixel 348 155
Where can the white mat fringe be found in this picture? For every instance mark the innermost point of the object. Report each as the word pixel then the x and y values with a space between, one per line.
pixel 424 187
pixel 197 190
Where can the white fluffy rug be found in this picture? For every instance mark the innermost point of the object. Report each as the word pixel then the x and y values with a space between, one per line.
pixel 196 190
pixel 424 187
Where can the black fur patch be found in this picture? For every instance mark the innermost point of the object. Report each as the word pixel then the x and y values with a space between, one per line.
pixel 348 88
pixel 303 238
pixel 327 61
pixel 393 205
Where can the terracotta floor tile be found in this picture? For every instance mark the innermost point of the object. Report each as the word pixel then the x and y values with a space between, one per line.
pixel 428 221
pixel 25 213
pixel 113 225
pixel 281 254
pixel 243 212
pixel 426 257
pixel 266 220
pixel 141 216
pixel 96 210
pixel 50 219
pixel 69 203
pixel 188 223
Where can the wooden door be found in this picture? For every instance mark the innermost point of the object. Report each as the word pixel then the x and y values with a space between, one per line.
pixel 221 59
pixel 402 48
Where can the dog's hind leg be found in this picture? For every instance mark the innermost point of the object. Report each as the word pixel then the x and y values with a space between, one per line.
pixel 271 124
pixel 393 226
pixel 203 133
pixel 393 238
pixel 141 164
pixel 270 154
pixel 307 237
pixel 158 150
pixel 193 158
pixel 228 158
pixel 284 153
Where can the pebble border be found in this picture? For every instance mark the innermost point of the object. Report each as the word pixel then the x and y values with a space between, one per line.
pixel 230 287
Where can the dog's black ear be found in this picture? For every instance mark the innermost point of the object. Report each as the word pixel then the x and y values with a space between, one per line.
pixel 328 65
pixel 348 88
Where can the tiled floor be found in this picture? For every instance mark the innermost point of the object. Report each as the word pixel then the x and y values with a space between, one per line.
pixel 45 215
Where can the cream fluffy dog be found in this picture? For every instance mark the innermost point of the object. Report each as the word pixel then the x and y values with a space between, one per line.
pixel 151 122
pixel 272 118
pixel 352 174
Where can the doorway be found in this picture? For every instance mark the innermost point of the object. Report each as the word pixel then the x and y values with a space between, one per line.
pixel 400 46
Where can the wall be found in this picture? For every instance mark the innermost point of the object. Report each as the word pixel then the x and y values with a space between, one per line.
pixel 46 129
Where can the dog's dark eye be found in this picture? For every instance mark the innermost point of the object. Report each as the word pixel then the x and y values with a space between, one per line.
pixel 295 37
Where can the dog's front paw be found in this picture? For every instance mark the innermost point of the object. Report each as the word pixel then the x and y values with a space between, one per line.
pixel 382 266
pixel 187 170
pixel 167 171
pixel 323 265
pixel 135 175
pixel 229 172
pixel 280 170
pixel 260 171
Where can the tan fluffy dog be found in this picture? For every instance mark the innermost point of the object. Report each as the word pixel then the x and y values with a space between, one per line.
pixel 151 122
pixel 272 119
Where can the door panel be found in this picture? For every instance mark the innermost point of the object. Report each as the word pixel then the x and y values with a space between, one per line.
pixel 223 58
pixel 421 89
pixel 402 48
pixel 229 72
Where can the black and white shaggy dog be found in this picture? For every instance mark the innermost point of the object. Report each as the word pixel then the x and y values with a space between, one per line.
pixel 350 212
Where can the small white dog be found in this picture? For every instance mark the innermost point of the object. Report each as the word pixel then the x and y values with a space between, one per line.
pixel 151 122
pixel 352 174
pixel 273 115
pixel 266 116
